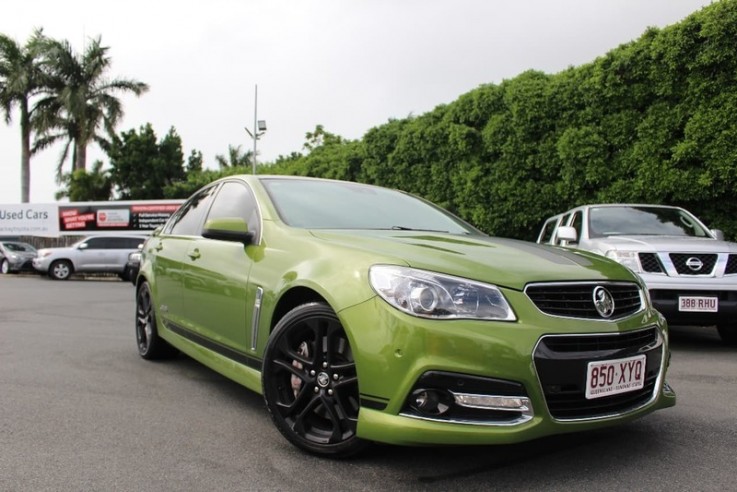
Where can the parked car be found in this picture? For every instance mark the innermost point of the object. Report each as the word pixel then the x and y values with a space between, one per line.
pixel 132 266
pixel 95 254
pixel 690 271
pixel 16 256
pixel 367 314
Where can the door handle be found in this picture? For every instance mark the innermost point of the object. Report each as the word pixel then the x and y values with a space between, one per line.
pixel 194 254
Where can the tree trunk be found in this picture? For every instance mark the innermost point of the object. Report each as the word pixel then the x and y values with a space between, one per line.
pixel 80 155
pixel 25 153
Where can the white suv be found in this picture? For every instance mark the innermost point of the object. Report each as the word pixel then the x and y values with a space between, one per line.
pixel 690 271
pixel 96 254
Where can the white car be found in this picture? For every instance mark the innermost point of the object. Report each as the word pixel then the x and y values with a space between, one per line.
pixel 96 254
pixel 690 271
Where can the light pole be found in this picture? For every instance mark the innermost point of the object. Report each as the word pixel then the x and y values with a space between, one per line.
pixel 259 128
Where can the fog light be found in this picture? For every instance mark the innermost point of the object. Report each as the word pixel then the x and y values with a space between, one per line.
pixel 430 402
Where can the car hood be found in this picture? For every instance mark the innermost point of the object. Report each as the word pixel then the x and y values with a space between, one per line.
pixel 666 244
pixel 22 254
pixel 504 262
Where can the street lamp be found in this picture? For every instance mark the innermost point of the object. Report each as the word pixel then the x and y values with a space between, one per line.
pixel 259 128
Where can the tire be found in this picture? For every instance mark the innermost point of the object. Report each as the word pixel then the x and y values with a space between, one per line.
pixel 728 334
pixel 125 276
pixel 150 345
pixel 310 384
pixel 4 267
pixel 61 270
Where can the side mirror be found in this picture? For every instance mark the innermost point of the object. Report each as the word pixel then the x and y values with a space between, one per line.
pixel 232 229
pixel 718 234
pixel 83 246
pixel 568 234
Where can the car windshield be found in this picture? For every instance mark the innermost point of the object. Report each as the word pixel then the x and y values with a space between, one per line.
pixel 643 221
pixel 317 204
pixel 19 247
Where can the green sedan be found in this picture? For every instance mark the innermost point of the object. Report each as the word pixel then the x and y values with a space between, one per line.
pixel 364 314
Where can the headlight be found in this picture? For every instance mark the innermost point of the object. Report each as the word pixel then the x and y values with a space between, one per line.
pixel 43 253
pixel 13 257
pixel 437 296
pixel 626 258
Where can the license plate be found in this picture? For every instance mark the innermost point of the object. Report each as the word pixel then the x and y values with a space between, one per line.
pixel 611 377
pixel 698 304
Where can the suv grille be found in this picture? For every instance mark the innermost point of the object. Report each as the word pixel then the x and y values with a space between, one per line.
pixel 650 263
pixel 731 265
pixel 561 363
pixel 693 264
pixel 576 300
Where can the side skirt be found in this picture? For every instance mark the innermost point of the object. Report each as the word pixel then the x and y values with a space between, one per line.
pixel 241 368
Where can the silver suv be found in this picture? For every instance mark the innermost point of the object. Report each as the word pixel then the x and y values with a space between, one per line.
pixel 690 271
pixel 96 254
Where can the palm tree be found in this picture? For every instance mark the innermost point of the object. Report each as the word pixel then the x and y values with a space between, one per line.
pixel 79 100
pixel 20 79
pixel 235 158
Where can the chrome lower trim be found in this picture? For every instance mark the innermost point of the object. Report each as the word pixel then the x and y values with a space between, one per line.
pixel 256 317
pixel 506 423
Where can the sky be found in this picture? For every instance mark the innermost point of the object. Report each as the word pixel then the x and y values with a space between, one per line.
pixel 349 65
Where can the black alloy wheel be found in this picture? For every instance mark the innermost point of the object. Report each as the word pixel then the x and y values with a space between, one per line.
pixel 150 345
pixel 310 384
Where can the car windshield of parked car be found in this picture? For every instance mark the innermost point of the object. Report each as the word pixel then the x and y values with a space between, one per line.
pixel 317 204
pixel 19 247
pixel 643 221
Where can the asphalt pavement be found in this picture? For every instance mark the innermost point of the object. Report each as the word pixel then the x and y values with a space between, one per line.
pixel 80 410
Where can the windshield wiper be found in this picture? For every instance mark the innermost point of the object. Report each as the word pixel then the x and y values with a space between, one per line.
pixel 403 228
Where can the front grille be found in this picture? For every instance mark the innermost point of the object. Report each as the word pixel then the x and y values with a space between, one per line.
pixel 593 343
pixel 561 363
pixel 572 404
pixel 576 300
pixel 731 265
pixel 681 261
pixel 650 263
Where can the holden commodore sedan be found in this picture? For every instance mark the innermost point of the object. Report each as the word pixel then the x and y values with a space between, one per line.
pixel 364 314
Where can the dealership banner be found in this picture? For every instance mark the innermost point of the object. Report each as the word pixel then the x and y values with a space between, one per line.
pixel 80 218
pixel 141 216
pixel 29 219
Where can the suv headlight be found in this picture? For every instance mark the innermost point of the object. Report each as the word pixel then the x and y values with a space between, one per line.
pixel 626 258
pixel 438 296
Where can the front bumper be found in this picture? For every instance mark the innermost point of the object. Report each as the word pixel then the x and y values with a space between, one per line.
pixel 665 293
pixel 20 265
pixel 395 352
pixel 41 264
